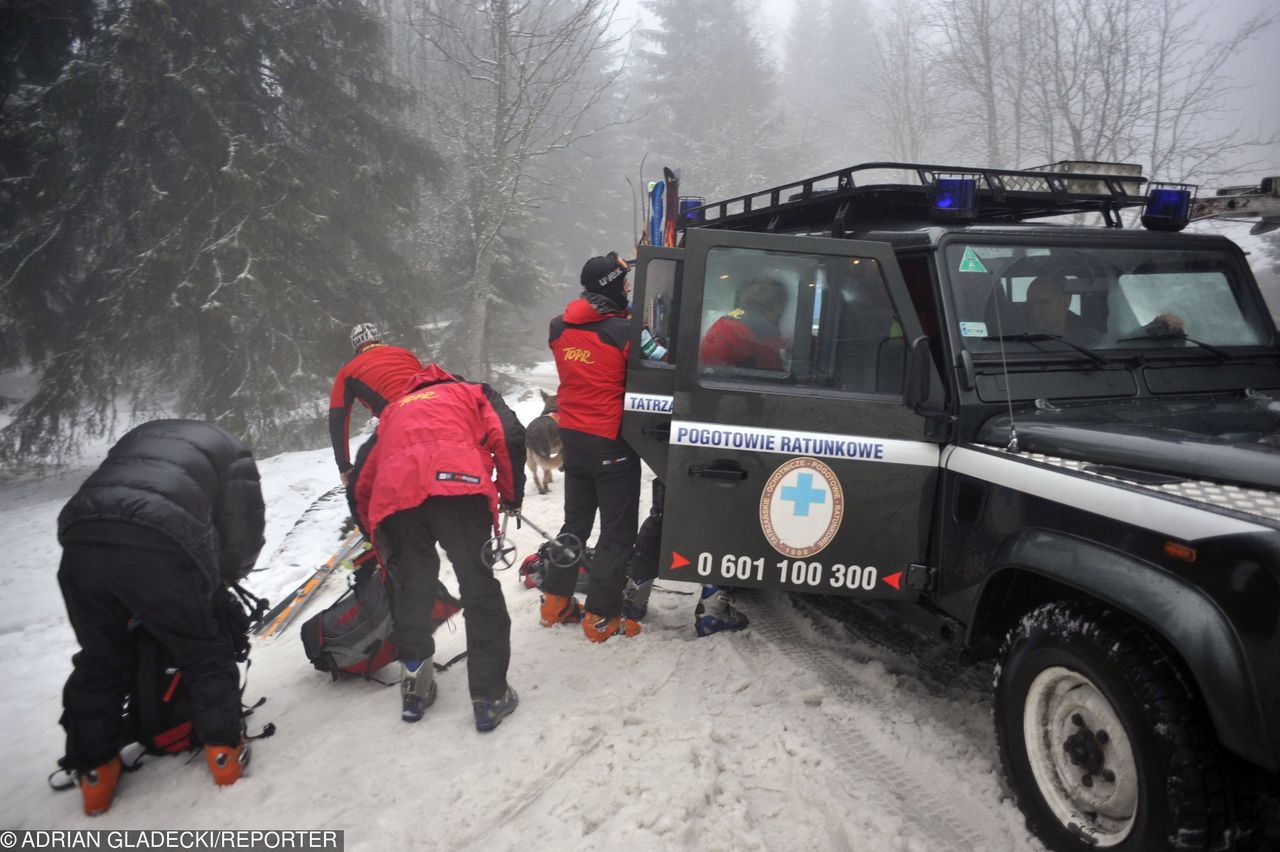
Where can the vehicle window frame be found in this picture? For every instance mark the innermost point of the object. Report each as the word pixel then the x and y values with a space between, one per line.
pixel 1252 310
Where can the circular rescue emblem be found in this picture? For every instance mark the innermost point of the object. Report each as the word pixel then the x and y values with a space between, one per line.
pixel 801 507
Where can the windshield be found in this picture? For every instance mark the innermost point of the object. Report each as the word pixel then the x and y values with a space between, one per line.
pixel 1022 295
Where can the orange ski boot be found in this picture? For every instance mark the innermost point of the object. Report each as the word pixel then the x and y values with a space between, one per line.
pixel 98 786
pixel 599 628
pixel 227 763
pixel 560 609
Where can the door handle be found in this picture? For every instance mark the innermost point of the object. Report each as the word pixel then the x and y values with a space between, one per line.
pixel 724 471
pixel 661 433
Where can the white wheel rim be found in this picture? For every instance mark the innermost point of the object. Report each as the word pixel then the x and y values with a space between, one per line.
pixel 1071 731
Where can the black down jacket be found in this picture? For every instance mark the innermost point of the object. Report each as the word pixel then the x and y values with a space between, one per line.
pixel 186 479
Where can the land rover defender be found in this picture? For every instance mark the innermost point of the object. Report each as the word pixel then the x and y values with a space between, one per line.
pixel 1091 498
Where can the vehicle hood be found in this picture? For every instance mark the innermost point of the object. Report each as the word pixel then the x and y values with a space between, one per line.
pixel 1233 441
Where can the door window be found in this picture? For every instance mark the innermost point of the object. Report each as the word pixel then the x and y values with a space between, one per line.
pixel 799 319
pixel 660 311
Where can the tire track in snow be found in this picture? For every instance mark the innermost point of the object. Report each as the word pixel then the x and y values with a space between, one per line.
pixel 944 822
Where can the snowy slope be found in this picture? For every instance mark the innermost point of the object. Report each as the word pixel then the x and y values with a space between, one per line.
pixel 791 735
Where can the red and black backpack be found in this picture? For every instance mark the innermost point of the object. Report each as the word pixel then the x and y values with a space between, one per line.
pixel 353 636
pixel 158 711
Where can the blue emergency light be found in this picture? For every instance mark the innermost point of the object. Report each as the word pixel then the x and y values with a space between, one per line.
pixel 1168 207
pixel 955 198
pixel 688 204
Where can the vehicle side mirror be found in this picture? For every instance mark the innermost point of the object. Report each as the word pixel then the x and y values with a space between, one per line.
pixel 915 391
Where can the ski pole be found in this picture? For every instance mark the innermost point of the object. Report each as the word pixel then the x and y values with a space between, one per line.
pixel 566 548
pixel 499 548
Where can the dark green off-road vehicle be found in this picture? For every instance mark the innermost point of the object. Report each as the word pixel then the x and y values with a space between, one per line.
pixel 1053 444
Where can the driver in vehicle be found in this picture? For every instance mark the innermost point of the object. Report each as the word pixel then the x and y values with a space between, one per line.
pixel 1049 311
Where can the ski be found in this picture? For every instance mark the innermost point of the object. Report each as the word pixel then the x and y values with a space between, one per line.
pixel 655 219
pixel 673 207
pixel 289 607
pixel 644 205
pixel 338 492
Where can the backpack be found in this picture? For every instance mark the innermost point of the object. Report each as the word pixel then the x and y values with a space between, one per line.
pixel 159 709
pixel 533 570
pixel 352 636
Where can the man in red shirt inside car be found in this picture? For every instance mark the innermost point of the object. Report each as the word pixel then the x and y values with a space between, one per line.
pixel 375 376
pixel 590 342
pixel 748 336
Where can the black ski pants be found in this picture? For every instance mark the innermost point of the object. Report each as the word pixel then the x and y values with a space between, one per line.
pixel 599 474
pixel 407 545
pixel 103 585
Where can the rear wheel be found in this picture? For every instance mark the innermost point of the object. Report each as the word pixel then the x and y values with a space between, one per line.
pixel 1103 740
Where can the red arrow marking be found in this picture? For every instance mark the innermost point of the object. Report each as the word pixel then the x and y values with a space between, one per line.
pixel 677 561
pixel 894 580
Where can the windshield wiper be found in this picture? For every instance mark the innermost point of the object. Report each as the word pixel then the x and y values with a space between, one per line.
pixel 1038 336
pixel 1177 335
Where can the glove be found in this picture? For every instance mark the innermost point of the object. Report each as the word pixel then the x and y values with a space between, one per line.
pixel 511 510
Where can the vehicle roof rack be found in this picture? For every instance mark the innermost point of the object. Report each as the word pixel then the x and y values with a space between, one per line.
pixel 828 201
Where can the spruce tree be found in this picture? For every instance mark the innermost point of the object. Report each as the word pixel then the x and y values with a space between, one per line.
pixel 208 200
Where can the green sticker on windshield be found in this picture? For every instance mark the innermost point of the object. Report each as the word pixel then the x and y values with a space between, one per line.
pixel 970 261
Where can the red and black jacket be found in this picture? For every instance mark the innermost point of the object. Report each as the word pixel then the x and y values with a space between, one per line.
pixel 591 349
pixel 377 375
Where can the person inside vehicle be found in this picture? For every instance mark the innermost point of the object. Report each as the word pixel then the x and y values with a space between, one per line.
pixel 749 336
pixel 1049 308
pixel 1049 312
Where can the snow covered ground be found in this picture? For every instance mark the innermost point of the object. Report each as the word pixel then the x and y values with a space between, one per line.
pixel 794 734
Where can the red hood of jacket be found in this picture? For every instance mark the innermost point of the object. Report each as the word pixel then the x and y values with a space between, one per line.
pixel 428 375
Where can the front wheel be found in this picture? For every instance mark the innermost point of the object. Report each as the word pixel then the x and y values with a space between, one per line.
pixel 1103 740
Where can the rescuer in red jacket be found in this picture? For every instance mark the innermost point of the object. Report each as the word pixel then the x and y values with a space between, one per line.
pixel 748 336
pixel 590 342
pixel 376 375
pixel 427 477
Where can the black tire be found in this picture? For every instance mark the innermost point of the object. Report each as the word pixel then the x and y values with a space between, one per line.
pixel 1105 698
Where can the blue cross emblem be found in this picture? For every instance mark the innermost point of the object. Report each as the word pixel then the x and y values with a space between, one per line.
pixel 803 493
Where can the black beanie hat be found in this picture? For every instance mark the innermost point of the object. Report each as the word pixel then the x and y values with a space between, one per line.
pixel 607 276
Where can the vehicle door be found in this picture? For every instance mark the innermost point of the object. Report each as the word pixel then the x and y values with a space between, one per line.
pixel 794 461
pixel 655 298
